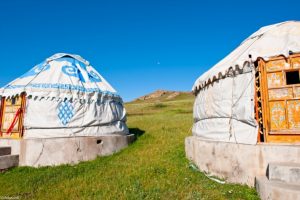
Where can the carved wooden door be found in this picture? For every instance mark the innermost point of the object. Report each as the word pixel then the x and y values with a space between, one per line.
pixel 281 93
pixel 12 117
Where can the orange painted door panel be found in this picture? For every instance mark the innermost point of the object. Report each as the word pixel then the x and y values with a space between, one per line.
pixel 277 115
pixel 293 112
pixel 11 112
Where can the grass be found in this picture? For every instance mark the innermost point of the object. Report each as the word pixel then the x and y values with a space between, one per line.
pixel 154 167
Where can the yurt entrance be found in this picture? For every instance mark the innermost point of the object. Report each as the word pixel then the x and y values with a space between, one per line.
pixel 278 99
pixel 12 117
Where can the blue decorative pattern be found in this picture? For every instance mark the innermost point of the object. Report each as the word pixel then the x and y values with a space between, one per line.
pixel 59 86
pixel 73 70
pixel 65 112
pixel 94 77
pixel 37 69
pixel 70 69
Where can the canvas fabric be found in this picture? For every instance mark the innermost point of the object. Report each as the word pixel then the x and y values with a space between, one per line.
pixel 64 118
pixel 224 111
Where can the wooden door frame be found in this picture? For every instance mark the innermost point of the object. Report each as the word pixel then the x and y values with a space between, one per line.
pixel 281 136
pixel 21 117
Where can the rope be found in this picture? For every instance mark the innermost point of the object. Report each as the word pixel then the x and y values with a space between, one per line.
pixel 231 131
pixel 231 113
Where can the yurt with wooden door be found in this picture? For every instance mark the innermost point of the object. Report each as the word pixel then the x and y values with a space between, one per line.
pixel 62 97
pixel 252 95
pixel 247 107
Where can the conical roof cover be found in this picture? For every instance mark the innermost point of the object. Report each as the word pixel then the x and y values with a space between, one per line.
pixel 61 75
pixel 269 41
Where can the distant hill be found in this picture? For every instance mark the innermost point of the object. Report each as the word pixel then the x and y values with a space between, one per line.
pixel 164 95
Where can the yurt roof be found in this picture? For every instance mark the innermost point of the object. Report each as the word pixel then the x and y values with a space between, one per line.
pixel 61 75
pixel 273 40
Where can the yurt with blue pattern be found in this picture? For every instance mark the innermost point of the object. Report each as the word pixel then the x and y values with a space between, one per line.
pixel 63 96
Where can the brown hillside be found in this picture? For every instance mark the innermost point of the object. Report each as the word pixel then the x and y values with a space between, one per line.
pixel 164 95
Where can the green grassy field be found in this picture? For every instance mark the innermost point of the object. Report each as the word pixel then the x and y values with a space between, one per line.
pixel 154 167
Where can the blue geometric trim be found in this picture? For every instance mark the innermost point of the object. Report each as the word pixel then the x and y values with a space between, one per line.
pixel 60 86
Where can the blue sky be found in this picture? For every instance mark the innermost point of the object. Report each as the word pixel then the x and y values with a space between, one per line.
pixel 138 46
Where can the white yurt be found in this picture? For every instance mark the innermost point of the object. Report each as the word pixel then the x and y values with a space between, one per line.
pixel 247 114
pixel 243 97
pixel 63 96
pixel 62 111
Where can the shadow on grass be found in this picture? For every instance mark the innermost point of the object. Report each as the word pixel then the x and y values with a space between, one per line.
pixel 159 105
pixel 136 131
pixel 138 114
